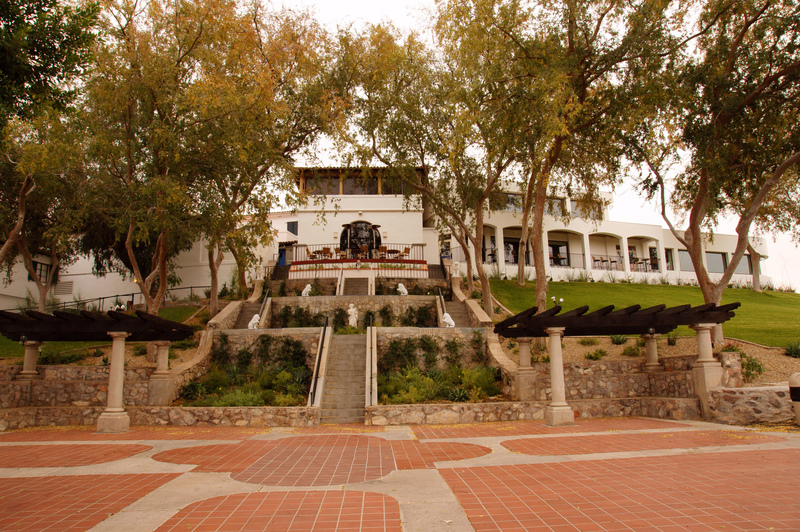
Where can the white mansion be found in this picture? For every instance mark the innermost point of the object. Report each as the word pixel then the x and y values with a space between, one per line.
pixel 364 226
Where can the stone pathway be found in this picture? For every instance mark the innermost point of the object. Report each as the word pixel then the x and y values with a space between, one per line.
pixel 610 474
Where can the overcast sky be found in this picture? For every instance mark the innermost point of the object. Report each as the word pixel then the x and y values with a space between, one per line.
pixel 783 264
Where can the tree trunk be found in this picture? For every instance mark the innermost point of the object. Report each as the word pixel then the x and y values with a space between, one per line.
pixel 522 251
pixel 240 269
pixel 537 236
pixel 14 233
pixel 464 243
pixel 42 288
pixel 755 261
pixel 477 246
pixel 213 266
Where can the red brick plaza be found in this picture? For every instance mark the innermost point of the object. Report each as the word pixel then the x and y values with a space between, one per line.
pixel 620 474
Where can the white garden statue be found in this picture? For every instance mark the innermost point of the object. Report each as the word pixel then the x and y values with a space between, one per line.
pixel 402 289
pixel 306 291
pixel 352 319
pixel 448 321
pixel 254 322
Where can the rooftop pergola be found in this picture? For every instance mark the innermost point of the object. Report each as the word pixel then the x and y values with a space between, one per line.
pixel 32 328
pixel 649 323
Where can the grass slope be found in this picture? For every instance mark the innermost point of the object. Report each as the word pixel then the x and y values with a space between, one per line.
pixel 768 318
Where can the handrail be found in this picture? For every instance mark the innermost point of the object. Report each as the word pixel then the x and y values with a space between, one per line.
pixel 340 282
pixel 441 299
pixel 129 296
pixel 312 395
pixel 264 304
pixel 441 265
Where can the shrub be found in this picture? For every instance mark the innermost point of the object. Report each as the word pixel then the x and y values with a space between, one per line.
pixel 751 368
pixel 423 317
pixel 248 395
pixel 186 343
pixel 387 316
pixel 216 380
pixel 191 390
pixel 792 349
pixel 458 395
pixel 139 350
pixel 399 354
pixel 430 351
pixel 631 351
pixel 730 347
pixel 453 355
pixel 284 316
pixel 672 338
pixel 339 319
pixel 597 354
pixel 618 339
pixel 479 354
pixel 588 341
pixel 244 359
pixel 640 342
pixel 221 354
pixel 53 359
pixel 369 318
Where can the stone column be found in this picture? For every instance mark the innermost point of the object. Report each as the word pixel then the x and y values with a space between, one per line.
pixel 706 371
pixel 588 263
pixel 526 375
pixel 651 349
pixel 558 413
pixel 29 362
pixel 161 389
pixel 115 419
pixel 626 261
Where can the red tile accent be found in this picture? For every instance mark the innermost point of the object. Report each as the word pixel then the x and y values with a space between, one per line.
pixel 748 490
pixel 611 443
pixel 343 428
pixel 65 455
pixel 525 428
pixel 294 510
pixel 136 433
pixel 70 502
pixel 416 455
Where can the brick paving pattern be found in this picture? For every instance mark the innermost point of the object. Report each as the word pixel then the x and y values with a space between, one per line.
pixel 611 443
pixel 65 455
pixel 751 490
pixel 136 433
pixel 529 428
pixel 320 511
pixel 416 455
pixel 70 502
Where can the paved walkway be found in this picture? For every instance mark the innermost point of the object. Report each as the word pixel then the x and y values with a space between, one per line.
pixel 620 474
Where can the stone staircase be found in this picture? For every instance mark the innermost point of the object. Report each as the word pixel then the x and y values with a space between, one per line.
pixel 458 311
pixel 246 314
pixel 356 286
pixel 345 388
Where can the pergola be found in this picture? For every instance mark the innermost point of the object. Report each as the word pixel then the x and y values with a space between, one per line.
pixel 33 328
pixel 649 323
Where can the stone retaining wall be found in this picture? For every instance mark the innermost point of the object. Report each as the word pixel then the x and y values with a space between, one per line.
pixel 242 338
pixel 326 285
pixel 429 286
pixel 456 413
pixel 226 318
pixel 327 305
pixel 18 418
pixel 743 406
pixel 441 335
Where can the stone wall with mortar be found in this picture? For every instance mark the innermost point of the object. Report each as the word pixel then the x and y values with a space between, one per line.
pixel 388 285
pixel 744 406
pixel 18 418
pixel 326 305
pixel 456 413
pixel 385 335
pixel 293 287
pixel 226 318
pixel 241 338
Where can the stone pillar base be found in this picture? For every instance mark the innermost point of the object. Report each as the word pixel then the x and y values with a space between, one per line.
pixel 706 378
pixel 653 367
pixel 27 376
pixel 559 416
pixel 113 422
pixel 161 390
pixel 526 384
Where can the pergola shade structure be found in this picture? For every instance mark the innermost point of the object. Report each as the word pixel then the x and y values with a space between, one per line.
pixel 649 322
pixel 607 321
pixel 33 328
pixel 89 326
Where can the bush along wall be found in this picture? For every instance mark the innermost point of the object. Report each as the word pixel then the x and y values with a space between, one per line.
pixel 431 368
pixel 270 372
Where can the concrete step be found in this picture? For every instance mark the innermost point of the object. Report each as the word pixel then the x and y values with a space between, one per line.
pixel 458 311
pixel 246 314
pixel 358 286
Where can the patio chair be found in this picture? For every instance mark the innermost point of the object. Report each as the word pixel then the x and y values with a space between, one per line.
pixel 405 254
pixel 326 253
pixel 342 254
pixel 382 252
pixel 363 252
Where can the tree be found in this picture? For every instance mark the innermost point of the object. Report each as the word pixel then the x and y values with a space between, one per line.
pixel 43 48
pixel 736 109
pixel 143 107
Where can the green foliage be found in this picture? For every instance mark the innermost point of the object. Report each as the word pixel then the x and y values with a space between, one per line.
pixel 139 350
pixel 751 367
pixel 597 354
pixel 588 341
pixel 478 351
pixel 399 354
pixel 452 349
pixel 618 339
pixel 412 385
pixel 792 349
pixel 672 338
pixel 192 390
pixel 387 316
pixel 369 318
pixel 282 289
pixel 631 351
pixel 54 359
pixel 285 316
pixel 244 359
pixel 640 342
pixel 186 343
pixel 729 347
pixel 339 319
pixel 430 351
pixel 221 353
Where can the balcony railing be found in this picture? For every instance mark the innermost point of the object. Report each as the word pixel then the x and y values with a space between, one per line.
pixel 392 252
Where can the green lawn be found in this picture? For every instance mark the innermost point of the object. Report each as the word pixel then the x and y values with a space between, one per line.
pixel 14 349
pixel 768 318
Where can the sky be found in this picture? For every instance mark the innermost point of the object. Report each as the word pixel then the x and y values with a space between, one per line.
pixel 783 264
